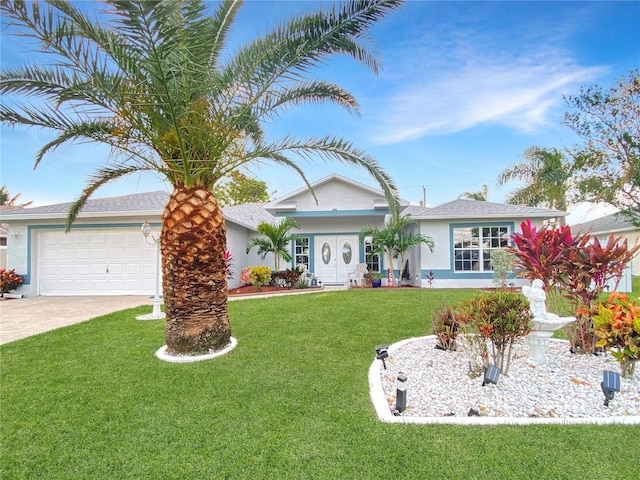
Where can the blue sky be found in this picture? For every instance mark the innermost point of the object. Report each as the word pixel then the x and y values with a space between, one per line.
pixel 466 88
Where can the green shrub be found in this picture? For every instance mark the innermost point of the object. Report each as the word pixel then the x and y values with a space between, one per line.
pixel 500 318
pixel 501 261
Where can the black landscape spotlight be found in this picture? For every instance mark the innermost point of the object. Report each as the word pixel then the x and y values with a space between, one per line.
pixel 401 393
pixel 382 353
pixel 610 385
pixel 491 374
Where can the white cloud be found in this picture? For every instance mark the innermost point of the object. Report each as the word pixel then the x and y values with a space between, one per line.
pixel 521 96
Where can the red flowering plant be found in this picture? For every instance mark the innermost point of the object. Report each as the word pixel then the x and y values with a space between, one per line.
pixel 9 280
pixel 617 327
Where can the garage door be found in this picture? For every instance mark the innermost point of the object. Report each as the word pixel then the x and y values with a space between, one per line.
pixel 95 262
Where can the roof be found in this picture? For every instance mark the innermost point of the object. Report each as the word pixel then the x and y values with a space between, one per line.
pixel 465 208
pixel 283 202
pixel 614 222
pixel 149 203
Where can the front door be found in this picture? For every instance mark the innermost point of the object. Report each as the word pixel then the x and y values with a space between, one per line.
pixel 336 256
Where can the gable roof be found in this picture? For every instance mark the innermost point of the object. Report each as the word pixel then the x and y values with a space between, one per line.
pixel 464 208
pixel 612 223
pixel 286 202
pixel 149 203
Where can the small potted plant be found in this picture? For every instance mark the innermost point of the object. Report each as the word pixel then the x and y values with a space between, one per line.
pixel 376 279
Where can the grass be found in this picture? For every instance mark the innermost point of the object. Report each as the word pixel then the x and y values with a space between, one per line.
pixel 291 401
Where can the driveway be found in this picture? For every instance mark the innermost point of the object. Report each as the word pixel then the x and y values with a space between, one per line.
pixel 23 317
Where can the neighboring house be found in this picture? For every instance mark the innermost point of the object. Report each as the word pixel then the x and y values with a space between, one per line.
pixel 106 254
pixel 618 226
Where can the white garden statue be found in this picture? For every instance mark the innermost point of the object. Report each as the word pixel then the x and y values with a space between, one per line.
pixel 544 323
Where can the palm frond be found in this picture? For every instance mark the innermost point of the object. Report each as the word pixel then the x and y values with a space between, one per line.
pixel 99 178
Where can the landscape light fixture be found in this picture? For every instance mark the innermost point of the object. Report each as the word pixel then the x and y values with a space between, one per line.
pixel 401 393
pixel 156 313
pixel 491 374
pixel 610 385
pixel 382 353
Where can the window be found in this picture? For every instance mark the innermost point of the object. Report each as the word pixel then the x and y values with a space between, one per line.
pixel 472 247
pixel 373 261
pixel 302 252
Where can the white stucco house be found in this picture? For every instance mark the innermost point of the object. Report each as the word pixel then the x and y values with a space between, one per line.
pixel 105 252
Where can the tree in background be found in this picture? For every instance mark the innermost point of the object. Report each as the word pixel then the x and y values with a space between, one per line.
pixel 6 200
pixel 275 240
pixel 480 196
pixel 238 189
pixel 393 240
pixel 546 175
pixel 158 82
pixel 608 164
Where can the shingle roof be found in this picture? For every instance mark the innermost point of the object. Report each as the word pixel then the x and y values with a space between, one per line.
pixel 137 202
pixel 152 203
pixel 609 223
pixel 249 214
pixel 464 208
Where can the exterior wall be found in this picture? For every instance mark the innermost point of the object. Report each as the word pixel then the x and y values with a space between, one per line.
pixel 633 239
pixel 440 261
pixel 22 251
pixel 334 195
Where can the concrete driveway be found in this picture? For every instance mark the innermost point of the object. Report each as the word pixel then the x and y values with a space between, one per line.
pixel 23 317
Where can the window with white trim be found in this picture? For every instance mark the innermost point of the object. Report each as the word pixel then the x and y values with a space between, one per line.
pixel 472 246
pixel 302 252
pixel 373 261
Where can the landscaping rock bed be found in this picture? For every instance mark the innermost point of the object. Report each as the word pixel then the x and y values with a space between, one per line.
pixel 568 386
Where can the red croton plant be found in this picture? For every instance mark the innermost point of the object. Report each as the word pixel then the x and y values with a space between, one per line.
pixel 575 267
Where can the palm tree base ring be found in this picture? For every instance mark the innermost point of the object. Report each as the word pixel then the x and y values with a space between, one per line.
pixel 162 355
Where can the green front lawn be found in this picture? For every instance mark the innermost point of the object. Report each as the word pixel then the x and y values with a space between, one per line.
pixel 291 401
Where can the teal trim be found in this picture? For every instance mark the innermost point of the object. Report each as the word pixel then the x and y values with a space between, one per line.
pixel 61 226
pixel 451 273
pixel 334 213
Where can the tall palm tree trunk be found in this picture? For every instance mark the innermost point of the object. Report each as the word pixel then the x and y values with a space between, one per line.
pixel 193 243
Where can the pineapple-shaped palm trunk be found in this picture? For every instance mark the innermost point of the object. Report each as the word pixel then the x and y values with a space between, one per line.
pixel 193 243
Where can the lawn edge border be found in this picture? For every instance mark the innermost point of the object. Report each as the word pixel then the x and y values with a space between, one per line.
pixel 385 415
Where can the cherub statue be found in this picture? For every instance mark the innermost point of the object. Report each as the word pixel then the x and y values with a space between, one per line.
pixel 537 298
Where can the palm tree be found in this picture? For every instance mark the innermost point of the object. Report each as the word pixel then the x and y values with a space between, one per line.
pixel 276 241
pixel 394 240
pixel 546 176
pixel 157 82
pixel 6 200
pixel 480 196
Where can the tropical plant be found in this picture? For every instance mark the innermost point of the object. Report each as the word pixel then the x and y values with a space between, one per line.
pixel 546 175
pixel 228 258
pixel 276 240
pixel 158 82
pixel 499 317
pixel 394 240
pixel 445 327
pixel 576 267
pixel 607 166
pixel 260 275
pixel 480 196
pixel 9 280
pixel 500 262
pixel 617 327
pixel 6 200
pixel 286 278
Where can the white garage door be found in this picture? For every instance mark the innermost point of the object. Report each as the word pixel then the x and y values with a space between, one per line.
pixel 95 262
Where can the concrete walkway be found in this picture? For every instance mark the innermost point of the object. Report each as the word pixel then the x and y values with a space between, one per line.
pixel 23 317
